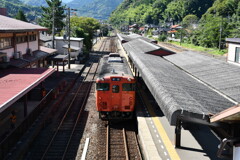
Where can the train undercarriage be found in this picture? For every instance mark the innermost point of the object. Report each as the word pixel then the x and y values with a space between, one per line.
pixel 115 115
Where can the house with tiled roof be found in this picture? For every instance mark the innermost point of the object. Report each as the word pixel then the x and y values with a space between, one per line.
pixel 20 45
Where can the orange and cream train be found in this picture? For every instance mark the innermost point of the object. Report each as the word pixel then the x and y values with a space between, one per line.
pixel 115 88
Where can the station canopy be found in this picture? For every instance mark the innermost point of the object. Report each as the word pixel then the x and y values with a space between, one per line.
pixel 15 83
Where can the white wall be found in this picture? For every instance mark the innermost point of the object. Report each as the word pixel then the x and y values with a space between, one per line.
pixel 59 46
pixel 231 51
pixel 60 43
pixel 9 52
pixel 22 47
pixel 33 45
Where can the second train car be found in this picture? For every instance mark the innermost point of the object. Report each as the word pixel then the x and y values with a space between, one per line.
pixel 115 88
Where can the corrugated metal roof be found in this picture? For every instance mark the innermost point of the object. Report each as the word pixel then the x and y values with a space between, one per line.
pixel 14 83
pixel 219 74
pixel 13 25
pixel 132 37
pixel 145 46
pixel 175 91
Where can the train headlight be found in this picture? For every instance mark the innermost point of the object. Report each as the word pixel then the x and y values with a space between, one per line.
pixel 129 79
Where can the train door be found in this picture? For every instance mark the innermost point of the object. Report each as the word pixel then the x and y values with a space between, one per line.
pixel 116 96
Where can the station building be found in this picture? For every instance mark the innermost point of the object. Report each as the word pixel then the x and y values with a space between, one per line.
pixel 22 73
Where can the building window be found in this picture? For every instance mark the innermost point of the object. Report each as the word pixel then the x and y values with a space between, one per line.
pixel 237 55
pixel 5 43
pixel 21 39
pixel 32 37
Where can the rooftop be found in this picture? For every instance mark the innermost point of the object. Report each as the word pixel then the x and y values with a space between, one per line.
pixel 71 39
pixel 233 40
pixel 15 83
pixel 135 36
pixel 13 25
pixel 176 91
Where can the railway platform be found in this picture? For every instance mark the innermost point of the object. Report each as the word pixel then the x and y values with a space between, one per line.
pixel 157 137
pixel 53 85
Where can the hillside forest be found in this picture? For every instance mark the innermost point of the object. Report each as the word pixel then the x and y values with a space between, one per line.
pixel 14 6
pixel 204 22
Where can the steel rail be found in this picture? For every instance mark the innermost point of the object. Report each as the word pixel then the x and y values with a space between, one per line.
pixel 78 117
pixel 125 144
pixel 80 112
pixel 137 144
pixel 64 117
pixel 107 142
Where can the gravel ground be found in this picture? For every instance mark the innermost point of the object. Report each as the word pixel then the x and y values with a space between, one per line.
pixel 91 129
pixel 93 126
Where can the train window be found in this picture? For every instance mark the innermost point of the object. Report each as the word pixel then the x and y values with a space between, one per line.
pixel 116 79
pixel 115 89
pixel 128 86
pixel 103 86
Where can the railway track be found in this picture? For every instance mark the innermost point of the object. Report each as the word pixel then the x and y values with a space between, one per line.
pixel 62 131
pixel 118 141
pixel 121 142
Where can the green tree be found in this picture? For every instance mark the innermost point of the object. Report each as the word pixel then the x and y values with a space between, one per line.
pixel 84 27
pixel 189 20
pixel 56 10
pixel 20 16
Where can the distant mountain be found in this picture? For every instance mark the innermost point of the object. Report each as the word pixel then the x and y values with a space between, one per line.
pixel 99 9
pixel 14 5
pixel 42 2
pixel 76 4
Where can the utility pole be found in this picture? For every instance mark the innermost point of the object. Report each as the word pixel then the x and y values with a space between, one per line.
pixel 69 65
pixel 220 36
pixel 53 28
pixel 69 47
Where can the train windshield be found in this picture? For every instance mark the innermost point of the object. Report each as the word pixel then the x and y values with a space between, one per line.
pixel 103 86
pixel 115 89
pixel 128 86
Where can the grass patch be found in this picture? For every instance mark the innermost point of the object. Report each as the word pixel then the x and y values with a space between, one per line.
pixel 214 51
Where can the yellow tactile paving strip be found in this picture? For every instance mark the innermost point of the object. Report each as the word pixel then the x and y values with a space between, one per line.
pixel 170 148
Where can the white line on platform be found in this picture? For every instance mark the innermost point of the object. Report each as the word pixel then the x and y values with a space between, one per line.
pixel 162 146
pixel 85 149
pixel 159 141
pixel 165 153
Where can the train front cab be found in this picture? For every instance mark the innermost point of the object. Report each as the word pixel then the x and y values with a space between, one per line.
pixel 115 97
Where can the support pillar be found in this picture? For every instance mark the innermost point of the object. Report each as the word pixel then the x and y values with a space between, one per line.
pixel 178 133
pixel 25 105
pixel 236 152
pixel 136 72
pixel 63 62
pixel 57 66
